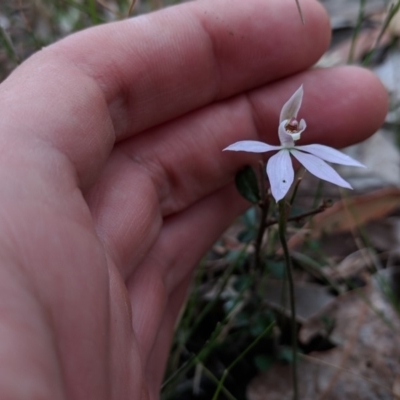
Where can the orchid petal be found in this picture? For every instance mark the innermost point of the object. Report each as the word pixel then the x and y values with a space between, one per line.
pixel 329 154
pixel 302 126
pixel 252 146
pixel 319 168
pixel 280 173
pixel 292 106
pixel 285 138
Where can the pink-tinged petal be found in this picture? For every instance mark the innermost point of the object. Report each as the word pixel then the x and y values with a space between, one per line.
pixel 320 168
pixel 285 138
pixel 280 173
pixel 252 146
pixel 292 106
pixel 329 154
pixel 302 126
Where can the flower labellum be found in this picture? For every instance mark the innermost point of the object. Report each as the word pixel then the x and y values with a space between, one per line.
pixel 313 156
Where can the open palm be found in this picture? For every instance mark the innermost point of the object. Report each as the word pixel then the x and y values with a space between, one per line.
pixel 114 184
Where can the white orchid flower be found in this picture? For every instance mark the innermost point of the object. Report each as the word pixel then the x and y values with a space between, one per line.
pixel 313 156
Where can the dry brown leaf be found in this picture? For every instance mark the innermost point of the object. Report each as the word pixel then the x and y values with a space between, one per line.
pixel 364 365
pixel 349 214
pixel 311 299
pixel 352 265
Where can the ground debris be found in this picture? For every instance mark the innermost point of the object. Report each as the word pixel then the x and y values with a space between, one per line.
pixel 363 365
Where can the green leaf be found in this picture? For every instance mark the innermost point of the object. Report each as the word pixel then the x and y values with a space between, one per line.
pixel 250 217
pixel 276 269
pixel 247 184
pixel 246 236
pixel 259 323
pixel 286 354
pixel 243 282
pixel 263 363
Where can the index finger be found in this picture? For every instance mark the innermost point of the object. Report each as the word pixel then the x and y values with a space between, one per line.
pixel 162 65
pixel 113 81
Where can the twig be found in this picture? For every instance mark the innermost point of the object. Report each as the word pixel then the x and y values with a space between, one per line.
pixel 299 217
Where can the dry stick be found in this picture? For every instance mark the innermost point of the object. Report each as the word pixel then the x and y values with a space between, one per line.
pixel 321 208
pixel 288 262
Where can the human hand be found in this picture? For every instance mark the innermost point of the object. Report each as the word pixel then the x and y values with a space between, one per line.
pixel 114 184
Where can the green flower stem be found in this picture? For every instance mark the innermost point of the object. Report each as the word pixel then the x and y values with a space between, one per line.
pixel 360 19
pixel 5 39
pixel 264 205
pixel 209 345
pixel 222 388
pixel 260 235
pixel 282 237
pixel 296 187
pixel 131 7
pixel 240 357
pixel 393 9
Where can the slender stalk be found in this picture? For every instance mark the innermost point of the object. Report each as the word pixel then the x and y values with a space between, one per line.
pixel 260 235
pixel 220 383
pixel 131 7
pixel 209 345
pixel 360 18
pixel 240 357
pixel 224 280
pixel 318 193
pixel 5 39
pixel 300 12
pixel 393 9
pixel 296 187
pixel 264 205
pixel 282 237
pixel 94 16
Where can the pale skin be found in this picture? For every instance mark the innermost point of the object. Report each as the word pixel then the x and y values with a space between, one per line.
pixel 114 183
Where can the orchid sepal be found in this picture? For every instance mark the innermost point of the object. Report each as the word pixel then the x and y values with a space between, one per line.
pixel 319 168
pixel 251 146
pixel 291 108
pixel 329 154
pixel 280 173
